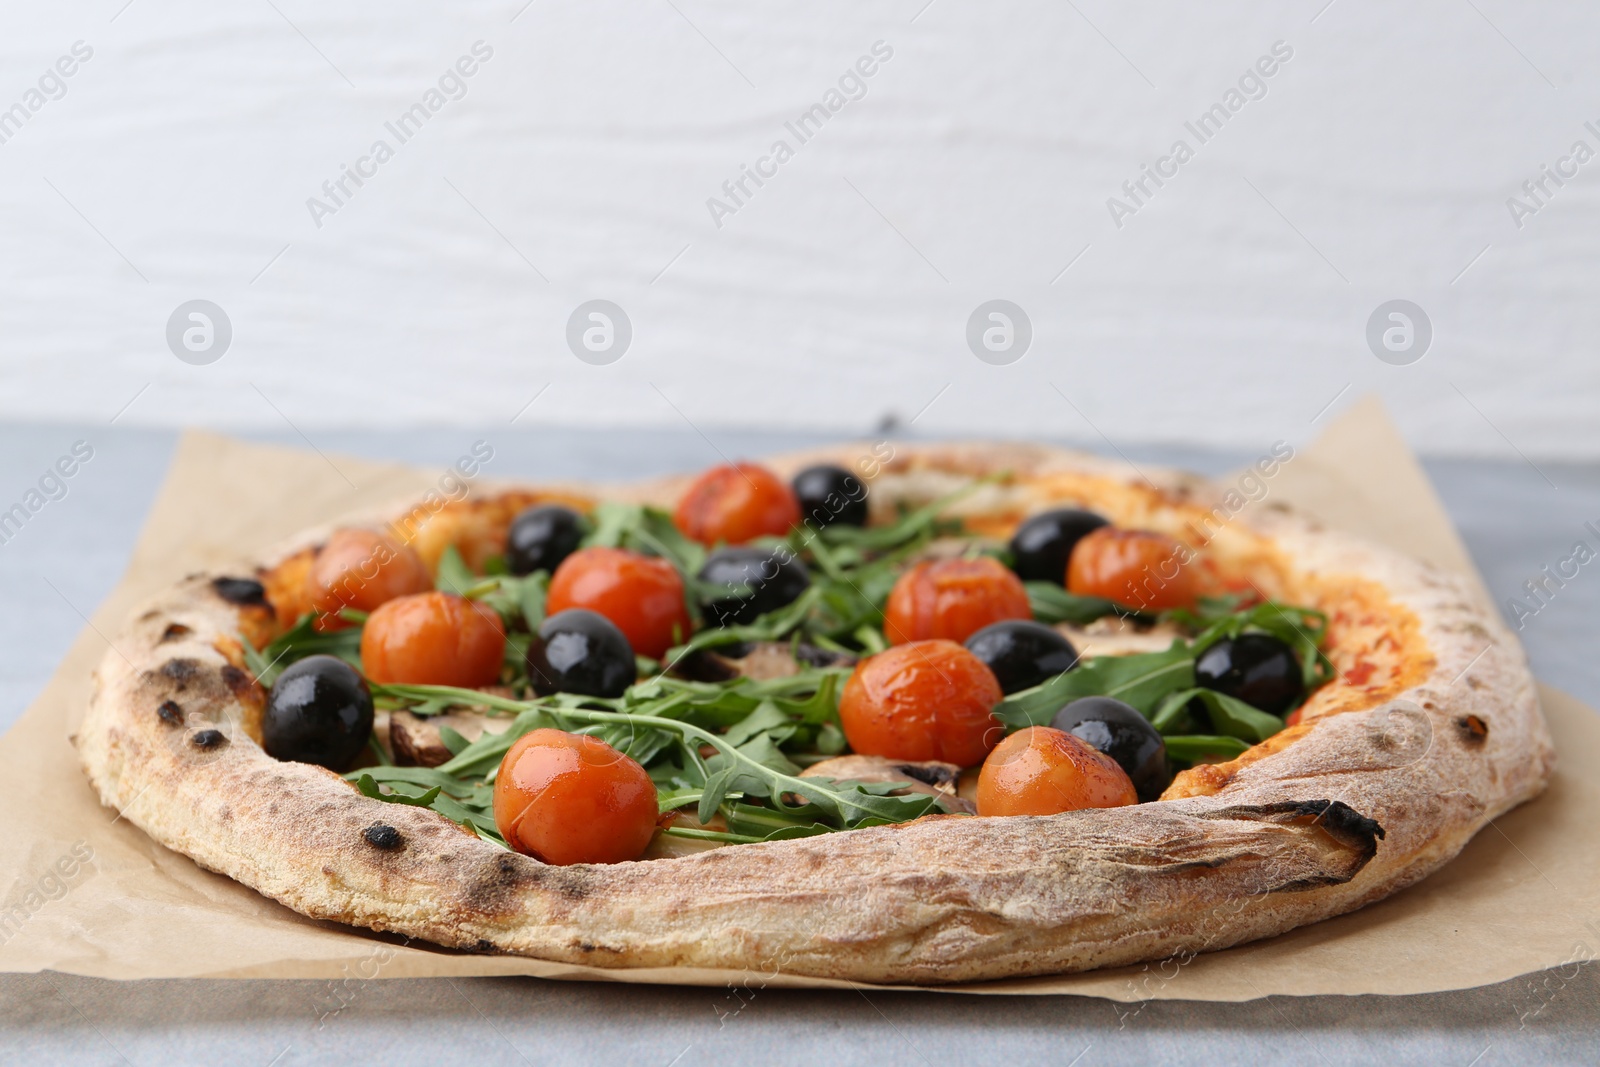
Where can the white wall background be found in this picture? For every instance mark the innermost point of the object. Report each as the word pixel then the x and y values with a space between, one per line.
pixel 1230 311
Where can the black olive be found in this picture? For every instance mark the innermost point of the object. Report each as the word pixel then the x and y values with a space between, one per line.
pixel 741 584
pixel 541 537
pixel 1041 545
pixel 1021 653
pixel 1118 730
pixel 830 494
pixel 319 711
pixel 580 651
pixel 1258 669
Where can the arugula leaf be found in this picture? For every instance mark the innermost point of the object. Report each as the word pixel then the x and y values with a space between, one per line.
pixel 484 754
pixel 1192 748
pixel 843 806
pixel 765 718
pixel 531 599
pixel 1142 680
pixel 1229 716
pixel 453 575
pixel 369 788
pixel 1052 604
pixel 785 832
pixel 1302 629
pixel 453 741
pixel 773 626
pixel 763 822
pixel 645 529
pixel 761 749
pixel 697 834
pixel 871 639
pixel 714 790
pixel 296 643
pixel 830 740
pixel 505 592
pixel 912 527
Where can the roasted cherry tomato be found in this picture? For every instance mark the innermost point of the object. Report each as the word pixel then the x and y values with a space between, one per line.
pixel 952 599
pixel 740 585
pixel 541 537
pixel 1022 653
pixel 580 651
pixel 735 503
pixel 1044 771
pixel 1043 543
pixel 1140 568
pixel 927 700
pixel 1118 730
pixel 1258 669
pixel 643 595
pixel 433 639
pixel 360 569
pixel 829 494
pixel 319 711
pixel 571 798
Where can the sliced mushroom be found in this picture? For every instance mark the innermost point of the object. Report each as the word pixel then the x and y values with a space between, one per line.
pixel 929 776
pixel 1114 636
pixel 416 742
pixel 759 661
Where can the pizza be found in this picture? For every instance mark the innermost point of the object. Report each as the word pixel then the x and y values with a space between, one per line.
pixel 880 713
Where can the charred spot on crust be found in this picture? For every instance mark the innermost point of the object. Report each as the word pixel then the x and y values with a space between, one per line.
pixel 180 671
pixel 1351 829
pixel 208 738
pixel 245 592
pixel 237 680
pixel 174 631
pixel 490 886
pixel 383 836
pixel 572 886
pixel 494 877
pixel 484 946
pixel 492 883
pixel 1474 731
pixel 1343 822
pixel 170 712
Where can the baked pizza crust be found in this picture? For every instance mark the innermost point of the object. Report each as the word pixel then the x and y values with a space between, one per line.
pixel 1381 784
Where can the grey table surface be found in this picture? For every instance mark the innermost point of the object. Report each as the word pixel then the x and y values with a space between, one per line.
pixel 74 550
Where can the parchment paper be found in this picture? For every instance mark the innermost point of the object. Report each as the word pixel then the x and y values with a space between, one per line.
pixel 84 892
